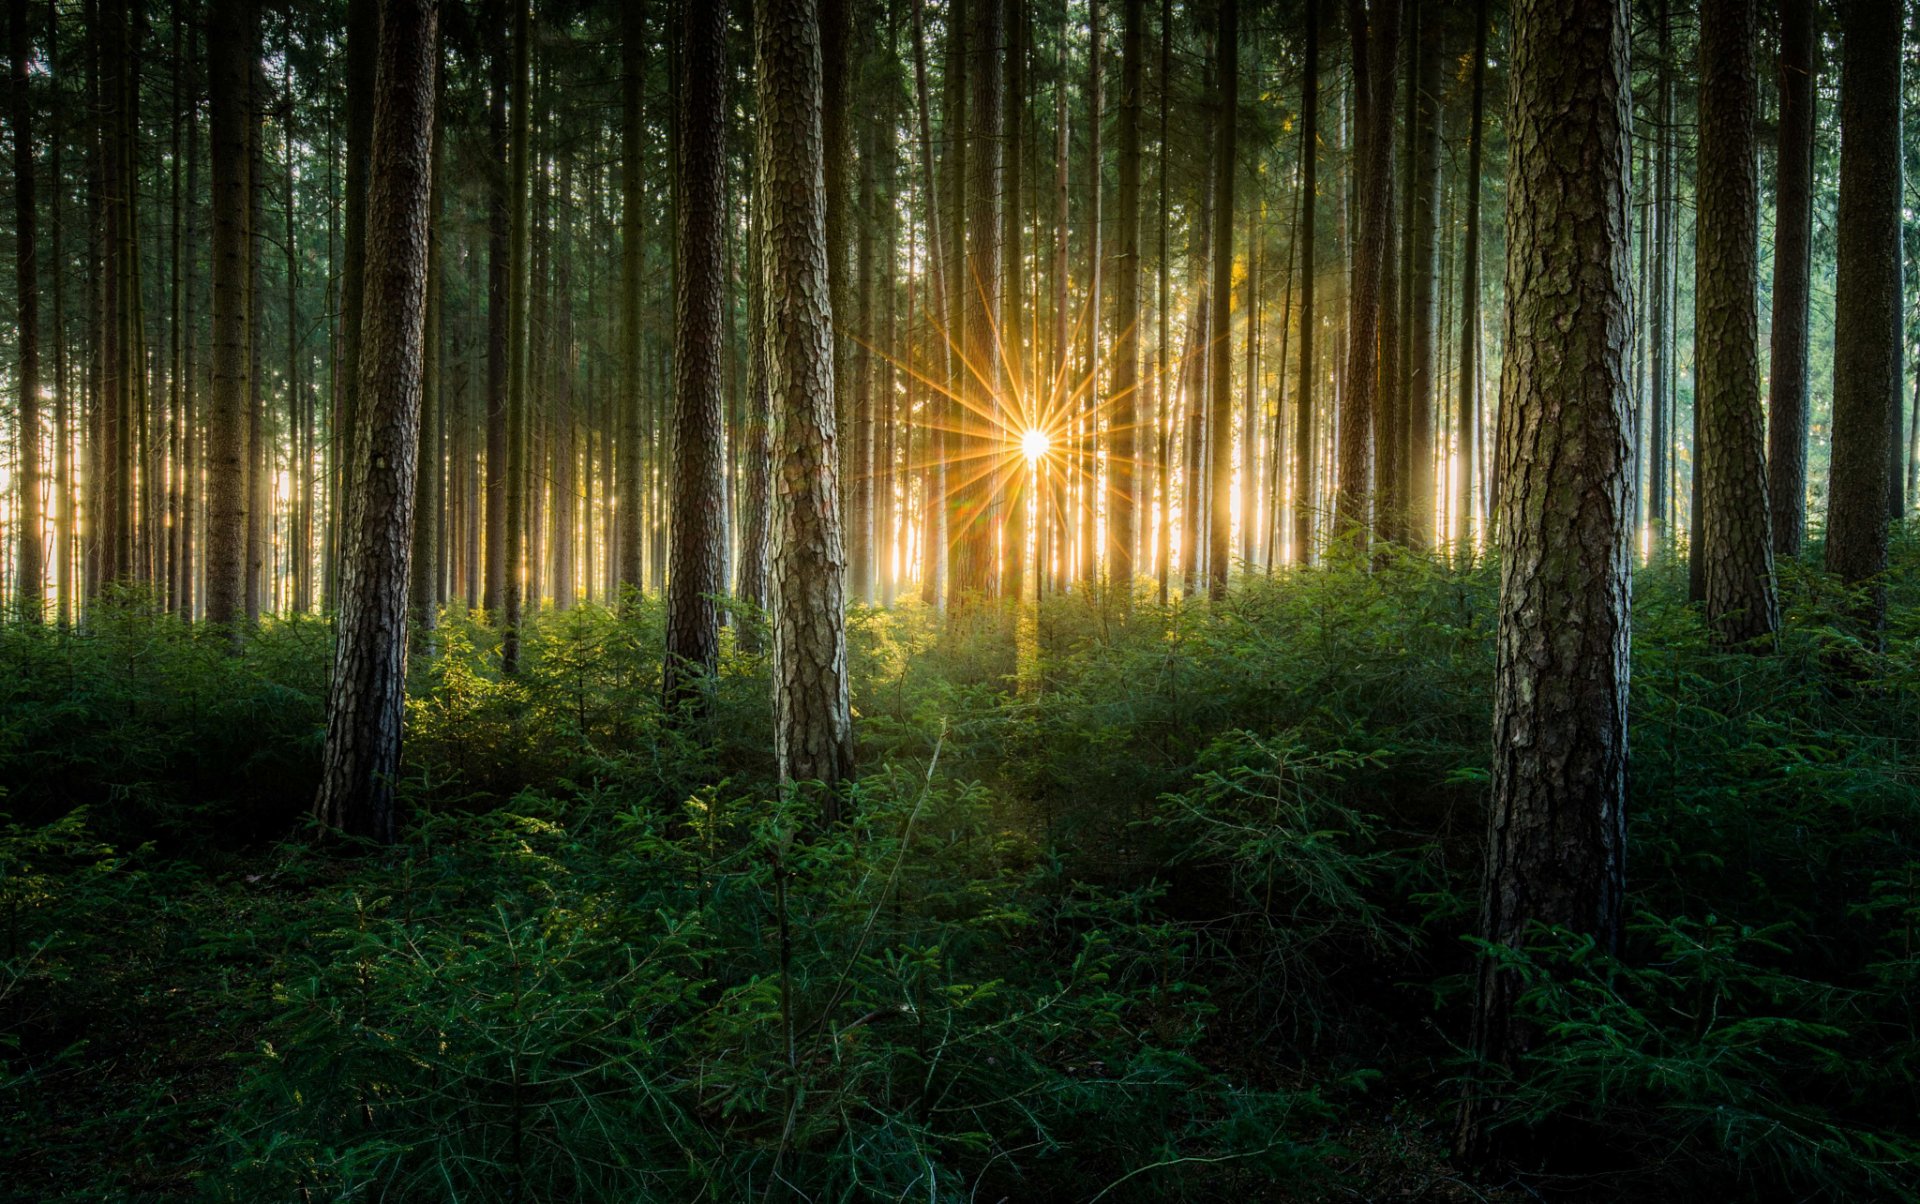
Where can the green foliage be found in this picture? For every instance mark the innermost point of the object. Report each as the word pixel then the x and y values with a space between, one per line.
pixel 1133 904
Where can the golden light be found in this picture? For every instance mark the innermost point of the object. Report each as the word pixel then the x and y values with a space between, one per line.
pixel 1035 444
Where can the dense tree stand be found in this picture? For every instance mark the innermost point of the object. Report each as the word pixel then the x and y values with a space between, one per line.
pixel 365 700
pixel 1556 830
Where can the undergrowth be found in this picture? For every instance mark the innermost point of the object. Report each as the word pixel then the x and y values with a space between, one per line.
pixel 1135 903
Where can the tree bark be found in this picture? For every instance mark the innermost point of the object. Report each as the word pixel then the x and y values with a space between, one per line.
pixel 1737 542
pixel 514 567
pixel 1867 305
pixel 31 560
pixel 1792 256
pixel 813 726
pixel 1220 342
pixel 232 45
pixel 1557 824
pixel 1469 403
pixel 631 571
pixel 1303 432
pixel 1127 412
pixel 360 765
pixel 1422 333
pixel 696 569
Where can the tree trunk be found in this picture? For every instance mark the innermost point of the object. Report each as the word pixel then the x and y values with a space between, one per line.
pixel 1089 442
pixel 31 561
pixel 631 568
pixel 1127 411
pixel 1469 403
pixel 1867 306
pixel 423 588
pixel 1375 28
pixel 1737 542
pixel 232 45
pixel 757 456
pixel 696 569
pixel 499 73
pixel 1557 825
pixel 1219 343
pixel 1303 432
pixel 1792 254
pixel 360 767
pixel 976 577
pixel 514 566
pixel 1422 333
pixel 813 726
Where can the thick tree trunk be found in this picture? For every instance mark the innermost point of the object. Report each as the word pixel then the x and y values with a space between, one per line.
pixel 1737 541
pixel 423 591
pixel 363 28
pixel 1557 825
pixel 360 767
pixel 232 41
pixel 813 727
pixel 757 456
pixel 1089 442
pixel 1867 306
pixel 1220 342
pixel 1422 333
pixel 977 577
pixel 696 569
pixel 499 76
pixel 1792 255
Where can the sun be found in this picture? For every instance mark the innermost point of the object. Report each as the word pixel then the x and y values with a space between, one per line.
pixel 1034 445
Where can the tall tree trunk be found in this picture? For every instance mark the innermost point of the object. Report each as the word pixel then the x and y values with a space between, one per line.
pixel 631 569
pixel 1660 501
pixel 1422 333
pixel 933 575
pixel 1468 407
pixel 696 569
pixel 31 560
pixel 1867 306
pixel 1219 345
pixel 1163 321
pixel 1375 28
pixel 1557 825
pixel 360 766
pixel 985 111
pixel 1303 424
pixel 1089 458
pixel 1738 544
pixel 757 456
pixel 424 581
pixel 813 726
pixel 62 425
pixel 363 29
pixel 1124 502
pixel 232 46
pixel 521 101
pixel 1792 255
pixel 499 276
pixel 1014 496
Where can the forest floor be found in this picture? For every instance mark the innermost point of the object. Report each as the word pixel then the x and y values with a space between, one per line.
pixel 1133 904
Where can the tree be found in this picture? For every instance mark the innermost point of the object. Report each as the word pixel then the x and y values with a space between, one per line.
pixel 697 559
pixel 1303 440
pixel 1737 545
pixel 30 564
pixel 1867 305
pixel 1423 224
pixel 520 143
pixel 630 569
pixel 1792 255
pixel 232 46
pixel 360 764
pixel 1375 29
pixel 1468 407
pixel 1219 346
pixel 1127 410
pixel 499 277
pixel 813 725
pixel 1557 823
pixel 975 576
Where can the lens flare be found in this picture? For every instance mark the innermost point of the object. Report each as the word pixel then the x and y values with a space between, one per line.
pixel 1034 445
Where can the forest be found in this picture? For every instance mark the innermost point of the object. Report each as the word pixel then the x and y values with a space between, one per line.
pixel 960 600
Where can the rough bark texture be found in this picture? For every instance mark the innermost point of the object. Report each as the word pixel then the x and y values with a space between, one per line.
pixel 30 564
pixel 696 568
pixel 232 38
pixel 493 597
pixel 1469 388
pixel 1220 346
pixel 1737 542
pixel 1792 255
pixel 976 573
pixel 361 762
pixel 813 727
pixel 757 456
pixel 1557 825
pixel 1375 28
pixel 518 229
pixel 1866 352
pixel 423 591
